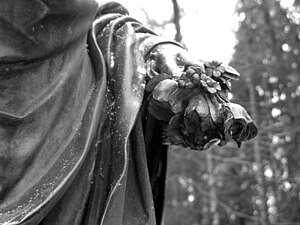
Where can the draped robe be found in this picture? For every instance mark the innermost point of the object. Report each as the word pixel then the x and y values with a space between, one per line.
pixel 77 143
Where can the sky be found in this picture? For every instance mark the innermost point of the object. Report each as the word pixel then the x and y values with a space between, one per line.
pixel 207 26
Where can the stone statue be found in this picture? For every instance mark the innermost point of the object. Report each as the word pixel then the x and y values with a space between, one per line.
pixel 88 96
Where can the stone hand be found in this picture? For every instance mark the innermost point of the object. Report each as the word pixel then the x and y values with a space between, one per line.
pixel 192 97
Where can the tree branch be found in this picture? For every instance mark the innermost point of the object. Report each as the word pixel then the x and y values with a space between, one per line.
pixel 176 20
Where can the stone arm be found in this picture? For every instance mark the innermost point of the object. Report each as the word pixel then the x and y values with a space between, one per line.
pixel 189 95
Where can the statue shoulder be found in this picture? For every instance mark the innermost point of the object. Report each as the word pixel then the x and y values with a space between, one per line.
pixel 112 7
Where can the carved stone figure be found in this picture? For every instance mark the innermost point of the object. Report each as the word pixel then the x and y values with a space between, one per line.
pixel 88 96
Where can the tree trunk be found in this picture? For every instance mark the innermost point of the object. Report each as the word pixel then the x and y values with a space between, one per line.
pixel 260 177
pixel 176 21
pixel 205 212
pixel 212 192
pixel 276 191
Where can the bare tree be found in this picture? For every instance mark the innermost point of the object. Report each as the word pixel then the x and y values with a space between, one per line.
pixel 176 20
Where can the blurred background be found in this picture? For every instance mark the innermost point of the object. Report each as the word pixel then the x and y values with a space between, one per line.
pixel 258 184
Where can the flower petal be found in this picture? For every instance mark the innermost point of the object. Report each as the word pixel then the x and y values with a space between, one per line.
pixel 216 73
pixel 164 89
